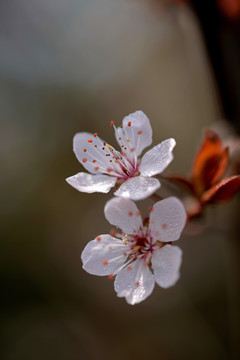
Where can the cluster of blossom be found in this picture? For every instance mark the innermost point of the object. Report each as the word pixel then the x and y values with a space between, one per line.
pixel 141 251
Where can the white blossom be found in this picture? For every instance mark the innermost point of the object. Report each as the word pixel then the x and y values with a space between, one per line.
pixel 109 167
pixel 142 254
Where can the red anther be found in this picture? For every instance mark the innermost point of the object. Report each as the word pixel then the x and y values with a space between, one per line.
pixel 111 276
pixel 130 213
pixel 133 149
pixel 129 123
pixel 164 226
pixel 94 161
pixel 99 238
pixel 113 233
pixel 96 168
pixel 90 140
pixel 139 213
pixel 84 160
pixel 137 283
pixel 109 170
pixel 111 123
pixel 150 209
pixel 95 134
pixel 84 150
pixel 139 132
pixel 129 267
pixel 104 143
pixel 105 262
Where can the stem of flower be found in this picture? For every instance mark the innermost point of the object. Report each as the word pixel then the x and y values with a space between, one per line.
pixel 156 197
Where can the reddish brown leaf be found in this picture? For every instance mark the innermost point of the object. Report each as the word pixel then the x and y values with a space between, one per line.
pixel 223 191
pixel 182 181
pixel 210 163
pixel 230 8
pixel 219 167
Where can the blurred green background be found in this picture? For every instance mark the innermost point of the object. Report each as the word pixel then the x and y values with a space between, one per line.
pixel 69 66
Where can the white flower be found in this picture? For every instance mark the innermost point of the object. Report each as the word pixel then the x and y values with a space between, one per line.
pixel 140 255
pixel 108 166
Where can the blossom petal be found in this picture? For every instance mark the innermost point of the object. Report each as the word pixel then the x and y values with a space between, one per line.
pixel 135 282
pixel 167 219
pixel 124 214
pixel 104 255
pixel 138 188
pixel 158 158
pixel 166 263
pixel 89 152
pixel 91 183
pixel 222 191
pixel 136 128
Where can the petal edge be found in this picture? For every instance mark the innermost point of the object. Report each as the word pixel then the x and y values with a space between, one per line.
pixel 89 183
pixel 155 160
pixel 138 188
pixel 166 263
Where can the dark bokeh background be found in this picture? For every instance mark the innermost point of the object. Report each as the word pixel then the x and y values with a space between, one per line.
pixel 74 66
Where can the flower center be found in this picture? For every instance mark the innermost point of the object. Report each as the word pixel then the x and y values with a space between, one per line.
pixel 142 245
pixel 105 159
pixel 141 242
